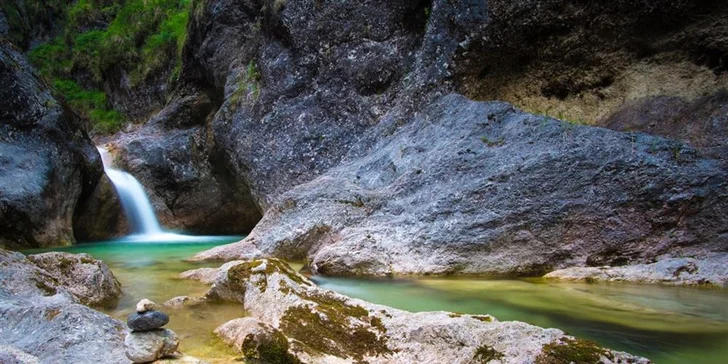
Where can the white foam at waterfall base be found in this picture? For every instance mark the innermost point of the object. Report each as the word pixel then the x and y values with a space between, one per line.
pixel 138 208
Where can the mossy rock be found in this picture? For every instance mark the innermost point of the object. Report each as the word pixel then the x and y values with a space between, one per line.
pixel 243 272
pixel 269 347
pixel 571 350
pixel 485 354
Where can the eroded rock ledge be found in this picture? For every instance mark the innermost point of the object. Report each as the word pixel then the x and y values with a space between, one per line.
pixel 470 188
pixel 707 271
pixel 293 321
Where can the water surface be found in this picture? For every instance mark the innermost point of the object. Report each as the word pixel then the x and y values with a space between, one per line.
pixel 666 324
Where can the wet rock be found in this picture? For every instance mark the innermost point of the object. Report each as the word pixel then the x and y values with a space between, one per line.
pixel 144 306
pixel 47 161
pixel 148 346
pixel 703 271
pixel 88 279
pixel 322 326
pixel 469 188
pixel 101 216
pixel 146 321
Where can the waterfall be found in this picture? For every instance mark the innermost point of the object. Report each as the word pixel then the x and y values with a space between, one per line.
pixel 139 210
pixel 133 198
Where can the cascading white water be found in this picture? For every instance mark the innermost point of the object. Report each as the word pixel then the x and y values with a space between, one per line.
pixel 138 209
pixel 134 200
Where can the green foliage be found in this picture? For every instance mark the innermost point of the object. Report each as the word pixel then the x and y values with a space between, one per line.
pixel 142 38
pixel 91 103
pixel 247 87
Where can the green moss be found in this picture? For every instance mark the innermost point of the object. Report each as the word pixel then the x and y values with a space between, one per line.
pixel 142 38
pixel 247 88
pixel 376 322
pixel 48 290
pixel 241 273
pixel 485 354
pixel 568 350
pixel 454 315
pixel 492 143
pixel 268 349
pixel 483 318
pixel 328 330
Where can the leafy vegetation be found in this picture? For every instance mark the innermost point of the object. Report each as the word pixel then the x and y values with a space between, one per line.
pixel 139 37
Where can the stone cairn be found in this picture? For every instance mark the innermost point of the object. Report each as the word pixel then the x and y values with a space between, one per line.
pixel 148 341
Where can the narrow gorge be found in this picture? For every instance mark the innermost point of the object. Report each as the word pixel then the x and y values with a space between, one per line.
pixel 319 181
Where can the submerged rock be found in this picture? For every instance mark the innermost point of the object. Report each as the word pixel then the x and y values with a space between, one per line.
pixel 705 271
pixel 88 279
pixel 325 327
pixel 469 187
pixel 180 302
pixel 148 346
pixel 148 320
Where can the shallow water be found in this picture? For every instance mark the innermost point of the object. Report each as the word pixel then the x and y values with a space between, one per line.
pixel 150 270
pixel 665 324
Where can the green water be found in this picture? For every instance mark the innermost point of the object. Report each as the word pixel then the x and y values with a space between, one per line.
pixel 665 324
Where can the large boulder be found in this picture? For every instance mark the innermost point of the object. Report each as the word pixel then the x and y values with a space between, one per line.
pixel 47 162
pixel 40 314
pixel 291 321
pixel 470 187
pixel 88 279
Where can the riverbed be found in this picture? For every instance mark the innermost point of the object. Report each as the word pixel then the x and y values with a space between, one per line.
pixel 663 323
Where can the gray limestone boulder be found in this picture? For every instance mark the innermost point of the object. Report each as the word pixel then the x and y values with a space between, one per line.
pixel 470 188
pixel 148 346
pixel 88 279
pixel 40 314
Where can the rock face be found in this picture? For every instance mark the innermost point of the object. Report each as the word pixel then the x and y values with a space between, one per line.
pixel 40 316
pixel 188 187
pixel 471 187
pixel 294 95
pixel 702 123
pixel 101 216
pixel 88 279
pixel 324 327
pixel 584 60
pixel 47 162
pixel 706 271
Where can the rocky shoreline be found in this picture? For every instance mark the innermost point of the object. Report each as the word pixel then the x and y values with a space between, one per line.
pixel 293 321
pixel 711 271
